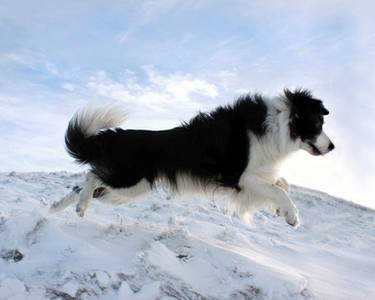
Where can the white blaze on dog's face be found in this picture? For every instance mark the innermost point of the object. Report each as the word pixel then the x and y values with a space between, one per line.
pixel 320 146
pixel 307 119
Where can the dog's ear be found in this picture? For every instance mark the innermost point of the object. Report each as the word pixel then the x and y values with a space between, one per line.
pixel 297 101
pixel 301 99
pixel 298 95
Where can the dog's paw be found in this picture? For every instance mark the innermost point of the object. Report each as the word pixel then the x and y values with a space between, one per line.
pixel 80 210
pixel 290 214
pixel 282 183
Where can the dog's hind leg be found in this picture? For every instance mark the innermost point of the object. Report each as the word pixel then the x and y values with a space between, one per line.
pixel 66 200
pixel 119 196
pixel 86 194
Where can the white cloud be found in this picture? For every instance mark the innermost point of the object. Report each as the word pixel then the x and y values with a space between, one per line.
pixel 181 86
pixel 109 88
pixel 69 86
pixel 159 92
pixel 32 60
pixel 19 58
pixel 52 69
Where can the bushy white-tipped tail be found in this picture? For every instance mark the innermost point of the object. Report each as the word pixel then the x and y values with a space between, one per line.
pixel 91 119
pixel 86 123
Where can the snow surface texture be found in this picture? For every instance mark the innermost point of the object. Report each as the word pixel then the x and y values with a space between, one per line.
pixel 167 248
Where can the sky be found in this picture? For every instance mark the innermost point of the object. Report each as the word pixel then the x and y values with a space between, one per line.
pixel 166 60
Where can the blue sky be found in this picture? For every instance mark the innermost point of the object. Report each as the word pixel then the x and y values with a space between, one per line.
pixel 166 60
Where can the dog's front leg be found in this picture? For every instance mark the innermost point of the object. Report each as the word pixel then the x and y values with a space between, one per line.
pixel 279 197
pixel 85 195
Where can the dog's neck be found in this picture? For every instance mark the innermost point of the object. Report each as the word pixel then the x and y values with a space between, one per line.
pixel 277 124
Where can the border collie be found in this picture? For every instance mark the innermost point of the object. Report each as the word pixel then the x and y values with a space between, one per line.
pixel 236 149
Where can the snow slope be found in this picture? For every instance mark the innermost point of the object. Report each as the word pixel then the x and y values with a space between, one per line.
pixel 167 248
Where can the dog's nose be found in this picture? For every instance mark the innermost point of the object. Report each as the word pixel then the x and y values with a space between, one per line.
pixel 331 146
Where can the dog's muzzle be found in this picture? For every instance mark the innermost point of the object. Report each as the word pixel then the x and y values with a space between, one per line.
pixel 321 146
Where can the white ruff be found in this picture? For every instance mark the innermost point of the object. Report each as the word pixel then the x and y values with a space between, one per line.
pixel 260 182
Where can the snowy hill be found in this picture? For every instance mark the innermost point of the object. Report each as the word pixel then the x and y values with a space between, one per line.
pixel 163 248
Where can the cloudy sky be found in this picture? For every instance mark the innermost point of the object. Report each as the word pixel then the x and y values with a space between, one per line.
pixel 167 59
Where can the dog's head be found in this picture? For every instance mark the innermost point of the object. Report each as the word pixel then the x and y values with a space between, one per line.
pixel 306 121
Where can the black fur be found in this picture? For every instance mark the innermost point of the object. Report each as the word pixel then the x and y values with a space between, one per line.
pixel 306 114
pixel 211 148
pixel 78 145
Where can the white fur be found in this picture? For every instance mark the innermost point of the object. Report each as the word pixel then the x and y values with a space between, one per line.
pixel 125 195
pixel 91 119
pixel 322 143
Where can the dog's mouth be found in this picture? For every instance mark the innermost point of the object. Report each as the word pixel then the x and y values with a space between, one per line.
pixel 315 150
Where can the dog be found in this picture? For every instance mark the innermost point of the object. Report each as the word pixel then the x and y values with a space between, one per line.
pixel 236 150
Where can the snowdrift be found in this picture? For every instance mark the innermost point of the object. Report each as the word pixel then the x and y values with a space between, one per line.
pixel 168 248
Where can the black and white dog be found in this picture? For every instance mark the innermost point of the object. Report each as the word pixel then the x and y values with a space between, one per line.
pixel 236 150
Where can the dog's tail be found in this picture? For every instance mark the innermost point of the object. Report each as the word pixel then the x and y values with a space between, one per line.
pixel 85 124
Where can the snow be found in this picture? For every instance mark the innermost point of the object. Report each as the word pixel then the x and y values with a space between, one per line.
pixel 171 248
